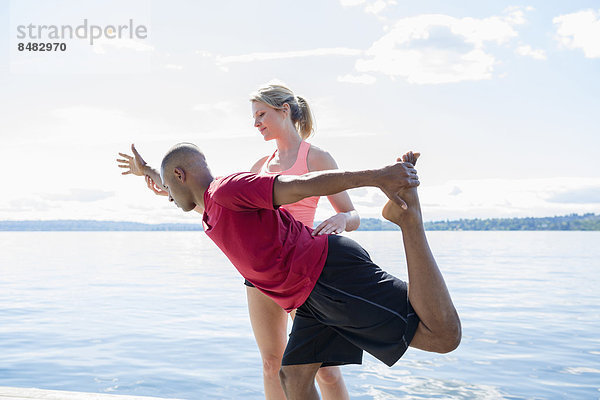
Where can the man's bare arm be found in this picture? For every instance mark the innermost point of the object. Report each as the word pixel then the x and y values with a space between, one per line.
pixel 137 166
pixel 391 179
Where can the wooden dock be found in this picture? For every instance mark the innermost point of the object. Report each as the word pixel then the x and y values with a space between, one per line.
pixel 13 393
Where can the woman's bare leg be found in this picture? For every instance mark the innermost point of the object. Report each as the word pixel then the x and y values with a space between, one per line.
pixel 269 323
pixel 439 329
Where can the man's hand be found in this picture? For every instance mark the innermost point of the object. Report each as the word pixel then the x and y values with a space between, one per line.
pixel 154 187
pixel 135 165
pixel 399 176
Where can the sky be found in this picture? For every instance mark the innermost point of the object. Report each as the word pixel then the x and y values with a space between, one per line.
pixel 501 98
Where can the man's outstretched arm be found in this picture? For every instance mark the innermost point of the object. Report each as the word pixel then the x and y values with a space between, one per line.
pixel 137 166
pixel 391 179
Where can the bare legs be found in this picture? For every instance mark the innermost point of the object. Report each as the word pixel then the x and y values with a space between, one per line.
pixel 269 323
pixel 299 381
pixel 439 329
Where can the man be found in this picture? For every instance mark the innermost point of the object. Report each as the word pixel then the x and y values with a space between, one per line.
pixel 345 303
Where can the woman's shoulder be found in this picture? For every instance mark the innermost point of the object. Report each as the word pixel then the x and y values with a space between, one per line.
pixel 258 165
pixel 319 159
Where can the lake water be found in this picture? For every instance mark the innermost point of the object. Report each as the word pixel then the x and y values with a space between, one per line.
pixel 164 314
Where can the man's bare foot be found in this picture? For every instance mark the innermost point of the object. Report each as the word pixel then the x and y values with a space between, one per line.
pixel 394 213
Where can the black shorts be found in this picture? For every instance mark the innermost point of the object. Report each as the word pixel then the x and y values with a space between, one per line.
pixel 354 306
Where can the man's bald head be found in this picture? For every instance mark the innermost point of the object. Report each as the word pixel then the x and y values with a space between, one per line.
pixel 183 155
pixel 185 174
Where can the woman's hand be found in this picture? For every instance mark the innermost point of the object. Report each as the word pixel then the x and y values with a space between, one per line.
pixel 155 188
pixel 333 225
pixel 135 165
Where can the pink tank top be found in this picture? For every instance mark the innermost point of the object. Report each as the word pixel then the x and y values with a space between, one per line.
pixel 304 210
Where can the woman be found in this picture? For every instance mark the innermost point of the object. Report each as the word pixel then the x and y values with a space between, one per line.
pixel 281 116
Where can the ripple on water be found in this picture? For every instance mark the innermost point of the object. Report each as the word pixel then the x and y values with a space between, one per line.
pixel 581 370
pixel 418 387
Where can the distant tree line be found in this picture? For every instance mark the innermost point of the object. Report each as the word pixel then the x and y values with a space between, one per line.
pixel 91 225
pixel 572 222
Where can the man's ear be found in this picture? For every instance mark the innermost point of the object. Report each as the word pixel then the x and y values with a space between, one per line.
pixel 179 174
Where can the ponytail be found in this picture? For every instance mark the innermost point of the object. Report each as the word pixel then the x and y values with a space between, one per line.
pixel 304 124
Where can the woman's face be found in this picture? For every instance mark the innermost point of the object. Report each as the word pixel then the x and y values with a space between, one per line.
pixel 268 120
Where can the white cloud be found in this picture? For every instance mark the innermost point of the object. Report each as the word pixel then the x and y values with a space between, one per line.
pixel 223 106
pixel 431 66
pixel 376 7
pixel 584 195
pixel 78 194
pixel 436 48
pixel 351 3
pixel 101 45
pixel 455 191
pixel 266 56
pixel 108 123
pixel 477 31
pixel 204 53
pixel 371 7
pixel 528 51
pixel 174 67
pixel 580 30
pixel 364 79
pixel 23 207
pixel 516 14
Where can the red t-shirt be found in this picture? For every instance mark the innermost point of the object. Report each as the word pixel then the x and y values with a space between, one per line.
pixel 272 250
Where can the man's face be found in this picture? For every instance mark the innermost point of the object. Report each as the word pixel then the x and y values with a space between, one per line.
pixel 179 192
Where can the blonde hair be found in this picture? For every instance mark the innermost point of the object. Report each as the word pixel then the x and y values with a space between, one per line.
pixel 276 96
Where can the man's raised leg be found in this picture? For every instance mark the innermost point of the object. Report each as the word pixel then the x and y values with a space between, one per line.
pixel 439 329
pixel 298 381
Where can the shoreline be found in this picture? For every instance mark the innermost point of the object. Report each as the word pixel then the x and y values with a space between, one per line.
pixel 572 222
pixel 17 393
